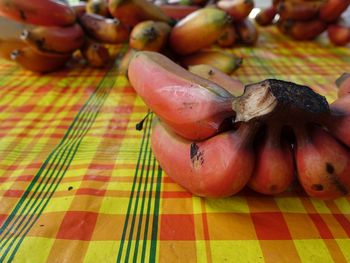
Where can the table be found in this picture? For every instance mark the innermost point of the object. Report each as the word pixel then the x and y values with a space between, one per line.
pixel 78 182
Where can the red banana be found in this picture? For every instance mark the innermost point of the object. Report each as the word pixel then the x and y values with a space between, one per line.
pixel 234 86
pixel 247 32
pixel 299 11
pixel 149 35
pixel 338 34
pixel 193 107
pixel 266 16
pixel 274 168
pixel 8 45
pixel 305 30
pixel 32 60
pixel 228 37
pixel 38 12
pixel 105 30
pixel 178 11
pixel 132 12
pixel 95 54
pixel 54 39
pixel 323 164
pixel 238 9
pixel 99 7
pixel 331 10
pixel 198 30
pixel 217 167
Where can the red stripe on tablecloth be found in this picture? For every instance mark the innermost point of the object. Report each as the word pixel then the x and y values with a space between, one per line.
pixel 321 226
pixel 344 222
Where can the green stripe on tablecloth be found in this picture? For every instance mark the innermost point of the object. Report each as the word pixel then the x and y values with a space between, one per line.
pixel 156 217
pixel 145 234
pixel 99 95
pixel 142 169
pixel 144 152
pixel 145 138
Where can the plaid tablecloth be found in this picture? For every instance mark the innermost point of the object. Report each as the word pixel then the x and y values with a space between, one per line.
pixel 78 183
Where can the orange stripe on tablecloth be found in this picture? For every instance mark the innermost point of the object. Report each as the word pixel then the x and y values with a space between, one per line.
pixel 176 194
pixel 335 251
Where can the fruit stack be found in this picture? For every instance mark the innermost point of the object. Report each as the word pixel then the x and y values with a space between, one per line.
pixel 61 30
pixel 305 20
pixel 214 143
pixel 196 30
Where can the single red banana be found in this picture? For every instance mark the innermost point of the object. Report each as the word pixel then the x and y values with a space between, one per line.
pixel 247 32
pixel 238 9
pixel 274 167
pixel 198 30
pixel 331 10
pixel 132 12
pixel 54 39
pixel 38 12
pixel 266 16
pixel 32 60
pixel 232 85
pixel 308 30
pixel 217 167
pixel 228 37
pixel 299 11
pixel 323 164
pixel 8 45
pixel 338 34
pixel 99 7
pixel 149 35
pixel 95 54
pixel 193 107
pixel 104 30
pixel 178 11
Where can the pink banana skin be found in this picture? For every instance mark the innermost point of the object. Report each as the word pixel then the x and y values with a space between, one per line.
pixel 193 107
pixel 218 167
pixel 323 164
pixel 274 169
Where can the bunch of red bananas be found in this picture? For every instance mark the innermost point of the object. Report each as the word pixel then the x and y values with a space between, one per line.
pixel 59 30
pixel 213 142
pixel 305 20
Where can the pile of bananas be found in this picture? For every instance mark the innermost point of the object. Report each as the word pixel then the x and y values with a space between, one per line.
pixel 56 31
pixel 305 20
pixel 214 143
